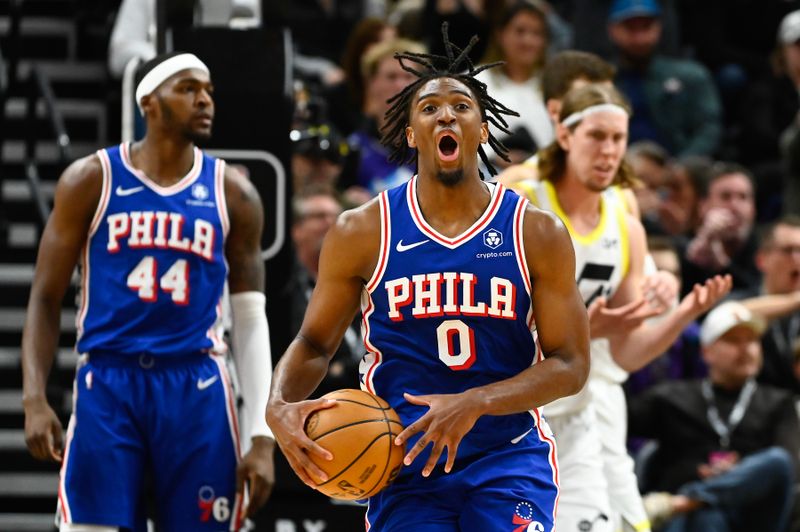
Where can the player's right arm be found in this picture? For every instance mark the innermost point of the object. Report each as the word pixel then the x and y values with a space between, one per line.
pixel 76 199
pixel 348 258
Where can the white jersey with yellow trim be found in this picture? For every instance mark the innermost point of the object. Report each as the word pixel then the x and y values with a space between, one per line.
pixel 601 263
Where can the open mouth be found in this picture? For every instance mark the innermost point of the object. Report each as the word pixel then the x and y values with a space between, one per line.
pixel 448 148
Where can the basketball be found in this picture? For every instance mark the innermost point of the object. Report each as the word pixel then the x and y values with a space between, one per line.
pixel 359 431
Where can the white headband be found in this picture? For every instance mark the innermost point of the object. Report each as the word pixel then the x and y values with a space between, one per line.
pixel 576 117
pixel 164 70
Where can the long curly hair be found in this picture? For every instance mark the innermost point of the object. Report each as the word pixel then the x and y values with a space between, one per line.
pixel 553 158
pixel 455 65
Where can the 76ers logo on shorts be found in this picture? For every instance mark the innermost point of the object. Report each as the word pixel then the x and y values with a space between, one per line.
pixel 523 516
pixel 493 238
pixel 211 506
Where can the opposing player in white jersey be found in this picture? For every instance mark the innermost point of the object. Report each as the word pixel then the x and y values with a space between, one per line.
pixel 577 171
pixel 565 71
pixel 430 262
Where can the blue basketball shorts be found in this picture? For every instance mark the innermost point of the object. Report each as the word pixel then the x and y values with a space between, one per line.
pixel 170 421
pixel 511 489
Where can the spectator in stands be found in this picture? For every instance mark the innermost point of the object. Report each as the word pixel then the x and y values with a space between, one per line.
pixel 520 39
pixel 728 445
pixel 679 210
pixel 347 98
pixel 725 241
pixel 314 211
pixel 476 17
pixel 650 164
pixel 674 101
pixel 778 259
pixel 585 15
pixel 383 78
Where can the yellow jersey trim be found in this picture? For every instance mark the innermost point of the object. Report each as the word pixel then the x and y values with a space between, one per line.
pixel 594 234
pixel 529 189
pixel 622 220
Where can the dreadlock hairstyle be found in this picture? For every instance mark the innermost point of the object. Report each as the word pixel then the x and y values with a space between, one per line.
pixel 428 67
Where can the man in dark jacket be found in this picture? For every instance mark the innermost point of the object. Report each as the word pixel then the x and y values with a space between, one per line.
pixel 728 446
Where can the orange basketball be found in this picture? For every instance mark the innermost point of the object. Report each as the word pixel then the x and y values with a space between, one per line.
pixel 359 431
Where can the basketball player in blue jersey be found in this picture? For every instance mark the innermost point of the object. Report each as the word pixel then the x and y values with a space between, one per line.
pixel 471 321
pixel 157 228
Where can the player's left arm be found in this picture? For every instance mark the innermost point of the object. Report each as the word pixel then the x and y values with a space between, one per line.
pixel 634 348
pixel 251 347
pixel 563 334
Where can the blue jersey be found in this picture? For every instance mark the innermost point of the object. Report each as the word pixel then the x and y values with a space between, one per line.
pixel 442 315
pixel 153 268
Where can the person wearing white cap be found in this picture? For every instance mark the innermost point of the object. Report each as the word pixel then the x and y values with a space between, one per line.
pixel 728 446
pixel 159 228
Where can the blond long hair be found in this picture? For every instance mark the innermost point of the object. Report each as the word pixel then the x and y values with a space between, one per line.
pixel 553 158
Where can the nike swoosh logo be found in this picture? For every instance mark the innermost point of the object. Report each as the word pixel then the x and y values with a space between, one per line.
pixel 128 191
pixel 203 384
pixel 405 247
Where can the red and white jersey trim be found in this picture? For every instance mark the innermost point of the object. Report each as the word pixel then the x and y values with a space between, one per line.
pixel 551 455
pixel 63 498
pixel 452 243
pixel 184 182
pixel 222 204
pixel 522 262
pixel 105 192
pixel 386 239
pixel 99 214
pixel 374 357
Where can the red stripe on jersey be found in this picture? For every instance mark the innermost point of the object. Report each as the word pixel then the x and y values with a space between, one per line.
pixel 386 233
pixel 483 221
pixel 552 458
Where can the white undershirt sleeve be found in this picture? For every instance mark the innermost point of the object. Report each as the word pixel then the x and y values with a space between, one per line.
pixel 253 358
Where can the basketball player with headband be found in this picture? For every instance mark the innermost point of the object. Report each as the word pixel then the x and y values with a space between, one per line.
pixel 158 228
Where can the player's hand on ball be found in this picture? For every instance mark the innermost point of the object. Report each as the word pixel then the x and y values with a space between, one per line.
pixel 42 431
pixel 287 421
pixel 257 468
pixel 446 422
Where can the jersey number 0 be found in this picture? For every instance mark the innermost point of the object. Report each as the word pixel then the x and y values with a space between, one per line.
pixel 456 343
